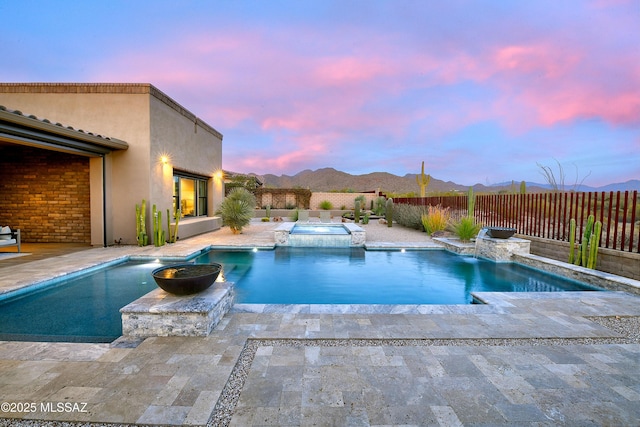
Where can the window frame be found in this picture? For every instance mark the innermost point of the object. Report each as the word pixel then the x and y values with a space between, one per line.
pixel 200 200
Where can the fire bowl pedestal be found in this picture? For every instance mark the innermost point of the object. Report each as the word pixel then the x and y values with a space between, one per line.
pixel 186 279
pixel 160 313
pixel 186 305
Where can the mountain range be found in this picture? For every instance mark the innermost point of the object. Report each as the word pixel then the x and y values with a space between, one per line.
pixel 330 179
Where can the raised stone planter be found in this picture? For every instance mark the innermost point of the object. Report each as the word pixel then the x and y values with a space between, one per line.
pixel 160 313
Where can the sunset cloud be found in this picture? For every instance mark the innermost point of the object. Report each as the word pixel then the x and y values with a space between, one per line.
pixel 369 86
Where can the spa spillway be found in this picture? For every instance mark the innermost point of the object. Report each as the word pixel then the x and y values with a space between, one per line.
pixel 319 235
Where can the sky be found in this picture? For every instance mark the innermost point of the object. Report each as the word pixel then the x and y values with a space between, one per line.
pixel 482 91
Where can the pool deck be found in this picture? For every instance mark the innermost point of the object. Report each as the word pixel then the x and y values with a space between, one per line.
pixel 522 359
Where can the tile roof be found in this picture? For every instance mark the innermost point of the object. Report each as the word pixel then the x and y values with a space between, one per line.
pixel 31 121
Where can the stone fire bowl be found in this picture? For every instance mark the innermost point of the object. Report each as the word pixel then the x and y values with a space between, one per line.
pixel 186 279
pixel 500 232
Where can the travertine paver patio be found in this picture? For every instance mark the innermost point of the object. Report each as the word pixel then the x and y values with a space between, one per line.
pixel 523 359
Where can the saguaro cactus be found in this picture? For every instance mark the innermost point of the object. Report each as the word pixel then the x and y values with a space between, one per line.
pixel 471 202
pixel 389 212
pixel 356 212
pixel 423 181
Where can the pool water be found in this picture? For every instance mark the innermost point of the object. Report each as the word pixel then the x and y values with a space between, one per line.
pixel 319 229
pixel 83 309
pixel 290 275
pixel 87 308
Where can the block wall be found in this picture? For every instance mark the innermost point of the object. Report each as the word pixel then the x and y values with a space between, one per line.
pixel 625 264
pixel 45 194
pixel 341 199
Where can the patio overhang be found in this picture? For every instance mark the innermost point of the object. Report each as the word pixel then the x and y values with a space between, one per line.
pixel 16 128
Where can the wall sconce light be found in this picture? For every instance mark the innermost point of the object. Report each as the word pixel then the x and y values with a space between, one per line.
pixel 218 174
pixel 164 159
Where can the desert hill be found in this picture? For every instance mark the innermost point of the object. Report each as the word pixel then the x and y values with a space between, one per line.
pixel 330 179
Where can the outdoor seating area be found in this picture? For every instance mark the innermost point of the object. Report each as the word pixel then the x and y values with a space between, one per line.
pixel 519 359
pixel 9 238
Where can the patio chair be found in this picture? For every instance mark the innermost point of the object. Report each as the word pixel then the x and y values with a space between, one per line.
pixel 325 216
pixel 303 216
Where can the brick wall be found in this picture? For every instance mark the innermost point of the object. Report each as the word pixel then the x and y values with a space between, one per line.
pixel 45 194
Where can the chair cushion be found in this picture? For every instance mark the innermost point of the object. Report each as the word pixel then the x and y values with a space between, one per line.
pixel 8 242
pixel 5 233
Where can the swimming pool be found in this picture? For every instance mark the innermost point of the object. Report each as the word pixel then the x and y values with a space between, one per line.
pixel 86 308
pixel 290 275
pixel 83 309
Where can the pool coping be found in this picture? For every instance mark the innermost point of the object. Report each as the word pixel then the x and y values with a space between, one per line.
pixel 595 278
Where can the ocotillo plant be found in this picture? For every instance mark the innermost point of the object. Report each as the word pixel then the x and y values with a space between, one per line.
pixel 423 181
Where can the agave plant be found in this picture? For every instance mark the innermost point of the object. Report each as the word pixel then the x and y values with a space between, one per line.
pixel 237 208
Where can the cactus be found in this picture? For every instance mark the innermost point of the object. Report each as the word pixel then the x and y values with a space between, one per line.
pixel 174 238
pixel 584 246
pixel 572 241
pixel 356 212
pixel 158 232
pixel 471 202
pixel 593 246
pixel 168 227
pixel 523 187
pixel 141 228
pixel 423 181
pixel 587 252
pixel 268 211
pixel 389 212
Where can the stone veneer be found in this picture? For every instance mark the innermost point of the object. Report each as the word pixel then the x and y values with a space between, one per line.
pixel 500 249
pixel 356 237
pixel 46 194
pixel 160 313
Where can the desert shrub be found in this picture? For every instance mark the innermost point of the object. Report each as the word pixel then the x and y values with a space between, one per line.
pixel 326 205
pixel 436 219
pixel 379 207
pixel 294 215
pixel 408 215
pixel 237 209
pixel 466 228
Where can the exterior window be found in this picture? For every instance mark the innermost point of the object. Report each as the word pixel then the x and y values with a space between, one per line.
pixel 190 195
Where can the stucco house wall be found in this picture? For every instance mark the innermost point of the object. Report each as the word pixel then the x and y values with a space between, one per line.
pixel 152 124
